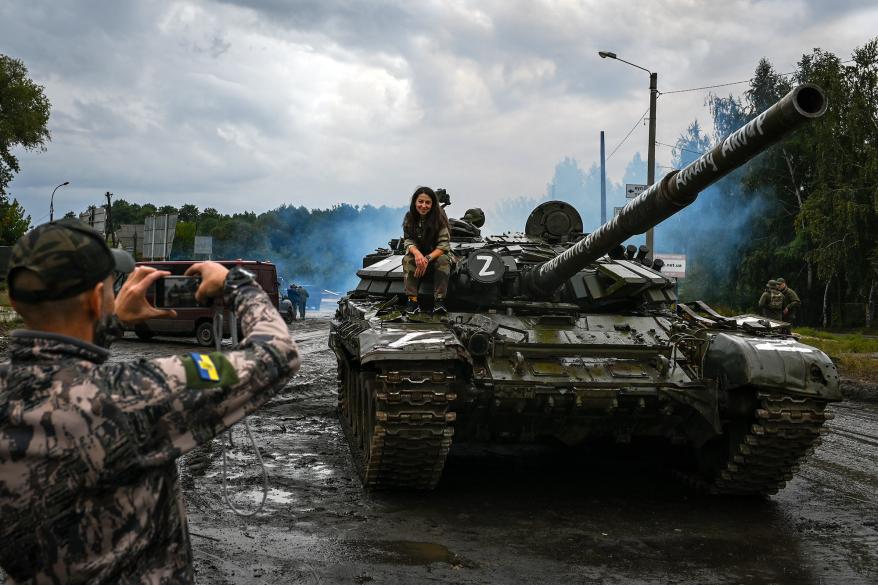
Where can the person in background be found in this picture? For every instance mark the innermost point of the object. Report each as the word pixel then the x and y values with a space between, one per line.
pixel 89 491
pixel 303 300
pixel 293 294
pixel 791 301
pixel 771 301
pixel 427 248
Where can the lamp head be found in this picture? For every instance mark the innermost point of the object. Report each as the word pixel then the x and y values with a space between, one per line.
pixel 605 54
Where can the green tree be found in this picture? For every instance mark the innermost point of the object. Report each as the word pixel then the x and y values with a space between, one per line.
pixel 770 248
pixel 840 215
pixel 24 116
pixel 13 221
pixel 188 212
pixel 146 210
pixel 811 201
pixel 184 240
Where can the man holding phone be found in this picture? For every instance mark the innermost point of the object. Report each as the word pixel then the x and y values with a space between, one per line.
pixel 89 490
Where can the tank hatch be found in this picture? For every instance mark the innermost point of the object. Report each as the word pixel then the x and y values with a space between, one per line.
pixel 555 222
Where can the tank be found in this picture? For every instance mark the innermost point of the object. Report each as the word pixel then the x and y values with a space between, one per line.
pixel 555 335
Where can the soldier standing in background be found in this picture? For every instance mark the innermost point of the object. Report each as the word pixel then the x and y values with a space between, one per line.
pixel 293 296
pixel 89 491
pixel 791 302
pixel 771 301
pixel 303 301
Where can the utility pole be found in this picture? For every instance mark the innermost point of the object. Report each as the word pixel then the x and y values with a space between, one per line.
pixel 650 157
pixel 603 182
pixel 109 227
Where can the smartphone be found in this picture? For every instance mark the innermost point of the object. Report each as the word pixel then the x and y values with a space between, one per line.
pixel 176 292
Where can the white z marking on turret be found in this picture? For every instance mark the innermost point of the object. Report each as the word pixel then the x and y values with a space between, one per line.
pixel 484 271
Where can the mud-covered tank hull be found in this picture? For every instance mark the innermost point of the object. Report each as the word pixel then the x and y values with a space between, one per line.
pixel 407 390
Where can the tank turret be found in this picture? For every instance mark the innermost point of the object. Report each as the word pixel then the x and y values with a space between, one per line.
pixel 679 189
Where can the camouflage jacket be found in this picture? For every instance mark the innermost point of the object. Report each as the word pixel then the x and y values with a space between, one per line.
pixel 443 239
pixel 791 300
pixel 88 484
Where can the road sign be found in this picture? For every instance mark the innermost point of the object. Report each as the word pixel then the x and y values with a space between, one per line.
pixel 158 236
pixel 204 245
pixel 632 190
pixel 617 211
pixel 675 264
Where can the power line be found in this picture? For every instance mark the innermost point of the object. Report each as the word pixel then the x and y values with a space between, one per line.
pixel 706 87
pixel 679 148
pixel 629 134
pixel 734 82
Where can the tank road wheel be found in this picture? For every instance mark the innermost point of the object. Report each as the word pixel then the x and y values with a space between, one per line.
pixel 397 423
pixel 204 334
pixel 758 456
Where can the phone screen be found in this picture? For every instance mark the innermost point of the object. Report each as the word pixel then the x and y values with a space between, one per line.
pixel 173 292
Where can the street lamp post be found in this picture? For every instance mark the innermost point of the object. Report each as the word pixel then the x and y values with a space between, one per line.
pixel 650 156
pixel 52 201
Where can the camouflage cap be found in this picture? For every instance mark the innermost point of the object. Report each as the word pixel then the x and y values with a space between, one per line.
pixel 780 281
pixel 67 257
pixel 772 283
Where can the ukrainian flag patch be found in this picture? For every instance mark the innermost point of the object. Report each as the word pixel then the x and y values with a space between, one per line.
pixel 205 367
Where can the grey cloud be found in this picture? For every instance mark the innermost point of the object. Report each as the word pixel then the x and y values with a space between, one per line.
pixel 489 95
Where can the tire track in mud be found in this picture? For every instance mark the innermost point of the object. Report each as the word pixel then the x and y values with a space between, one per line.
pixel 848 451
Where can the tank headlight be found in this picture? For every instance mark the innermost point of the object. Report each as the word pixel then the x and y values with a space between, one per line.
pixel 479 344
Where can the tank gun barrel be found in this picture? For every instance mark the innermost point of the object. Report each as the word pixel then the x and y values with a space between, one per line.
pixel 679 189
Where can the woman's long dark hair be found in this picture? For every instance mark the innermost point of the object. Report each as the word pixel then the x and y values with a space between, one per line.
pixel 434 221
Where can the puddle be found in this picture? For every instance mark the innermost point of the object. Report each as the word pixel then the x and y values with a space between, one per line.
pixel 407 552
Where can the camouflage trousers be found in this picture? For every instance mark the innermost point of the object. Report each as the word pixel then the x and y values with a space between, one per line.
pixel 441 269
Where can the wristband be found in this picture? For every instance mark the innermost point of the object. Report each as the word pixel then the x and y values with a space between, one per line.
pixel 236 279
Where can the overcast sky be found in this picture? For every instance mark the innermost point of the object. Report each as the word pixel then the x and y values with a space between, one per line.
pixel 249 104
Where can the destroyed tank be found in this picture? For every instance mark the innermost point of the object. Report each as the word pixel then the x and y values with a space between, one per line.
pixel 556 335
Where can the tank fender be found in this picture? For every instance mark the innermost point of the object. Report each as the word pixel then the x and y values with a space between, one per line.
pixel 399 342
pixel 768 362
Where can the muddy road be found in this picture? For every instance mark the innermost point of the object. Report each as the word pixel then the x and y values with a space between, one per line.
pixel 541 516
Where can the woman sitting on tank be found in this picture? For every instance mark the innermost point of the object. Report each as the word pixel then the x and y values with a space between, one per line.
pixel 427 247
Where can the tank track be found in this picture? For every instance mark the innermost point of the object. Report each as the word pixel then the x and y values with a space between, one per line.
pixel 785 431
pixel 397 422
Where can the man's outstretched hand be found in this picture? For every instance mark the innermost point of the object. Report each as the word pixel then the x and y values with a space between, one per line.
pixel 213 279
pixel 131 303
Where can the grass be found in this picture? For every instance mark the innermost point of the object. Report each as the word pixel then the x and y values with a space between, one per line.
pixel 855 354
pixel 838 343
